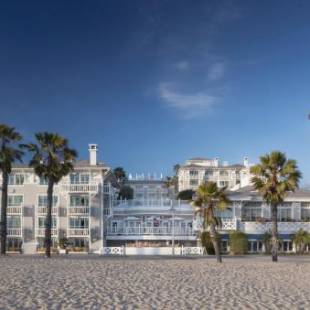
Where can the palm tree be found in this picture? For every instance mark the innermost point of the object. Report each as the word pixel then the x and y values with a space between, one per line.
pixel 301 240
pixel 9 153
pixel 209 198
pixel 274 177
pixel 52 159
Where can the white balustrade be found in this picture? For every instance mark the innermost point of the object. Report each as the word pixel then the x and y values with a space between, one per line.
pixel 142 230
pixel 14 232
pixel 80 188
pixel 78 232
pixel 43 210
pixel 191 250
pixel 78 210
pixel 113 251
pixel 41 232
pixel 283 227
pixel 14 210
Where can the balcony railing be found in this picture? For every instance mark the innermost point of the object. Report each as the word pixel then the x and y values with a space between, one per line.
pixel 80 188
pixel 14 232
pixel 41 232
pixel 78 232
pixel 78 210
pixel 14 210
pixel 138 230
pixel 283 227
pixel 43 210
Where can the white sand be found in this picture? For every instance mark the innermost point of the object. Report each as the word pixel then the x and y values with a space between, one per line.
pixel 90 282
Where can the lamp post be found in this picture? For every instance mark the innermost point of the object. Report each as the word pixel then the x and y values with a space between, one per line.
pixel 173 232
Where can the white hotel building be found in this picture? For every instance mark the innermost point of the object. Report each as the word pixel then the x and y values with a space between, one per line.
pixel 87 212
pixel 80 201
pixel 198 170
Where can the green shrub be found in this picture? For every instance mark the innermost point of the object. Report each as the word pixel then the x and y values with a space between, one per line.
pixel 238 243
pixel 206 242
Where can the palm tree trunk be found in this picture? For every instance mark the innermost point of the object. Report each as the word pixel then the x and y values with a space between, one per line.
pixel 274 218
pixel 215 242
pixel 4 205
pixel 48 222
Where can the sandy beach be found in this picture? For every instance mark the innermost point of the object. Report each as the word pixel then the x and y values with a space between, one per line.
pixel 91 282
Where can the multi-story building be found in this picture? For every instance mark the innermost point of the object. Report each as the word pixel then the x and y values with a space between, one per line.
pixel 198 170
pixel 153 219
pixel 80 203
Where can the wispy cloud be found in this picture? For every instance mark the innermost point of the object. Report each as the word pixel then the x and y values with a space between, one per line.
pixel 186 105
pixel 216 71
pixel 182 65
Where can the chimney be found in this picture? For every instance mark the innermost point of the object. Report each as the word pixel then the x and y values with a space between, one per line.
pixel 246 161
pixel 216 162
pixel 93 148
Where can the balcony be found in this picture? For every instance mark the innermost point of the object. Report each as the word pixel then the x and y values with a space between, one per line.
pixel 283 227
pixel 43 210
pixel 14 210
pixel 78 210
pixel 161 230
pixel 80 188
pixel 78 232
pixel 14 232
pixel 41 232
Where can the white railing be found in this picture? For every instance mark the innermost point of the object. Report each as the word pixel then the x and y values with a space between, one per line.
pixel 43 210
pixel 151 251
pixel 41 232
pixel 192 250
pixel 78 232
pixel 78 210
pixel 113 251
pixel 140 230
pixel 228 224
pixel 283 227
pixel 14 210
pixel 145 203
pixel 80 188
pixel 14 232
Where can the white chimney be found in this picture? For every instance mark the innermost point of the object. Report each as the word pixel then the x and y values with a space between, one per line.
pixel 246 161
pixel 216 162
pixel 93 148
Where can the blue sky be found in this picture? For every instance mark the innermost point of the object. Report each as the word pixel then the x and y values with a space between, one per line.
pixel 157 82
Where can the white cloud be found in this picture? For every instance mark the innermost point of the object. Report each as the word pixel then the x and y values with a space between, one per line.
pixel 182 65
pixel 216 71
pixel 187 105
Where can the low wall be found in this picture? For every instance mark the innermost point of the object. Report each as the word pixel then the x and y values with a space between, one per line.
pixel 151 251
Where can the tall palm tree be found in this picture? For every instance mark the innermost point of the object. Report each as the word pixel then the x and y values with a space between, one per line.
pixel 274 177
pixel 52 159
pixel 210 198
pixel 9 153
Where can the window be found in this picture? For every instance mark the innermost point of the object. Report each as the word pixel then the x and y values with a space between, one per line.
pixel 193 182
pixel 16 179
pixel 15 201
pixel 284 214
pixel 43 181
pixel 79 201
pixel 251 213
pixel 193 173
pixel 305 212
pixel 79 178
pixel 42 201
pixel 78 222
pixel 42 221
pixel 224 173
pixel 223 183
pixel 14 221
